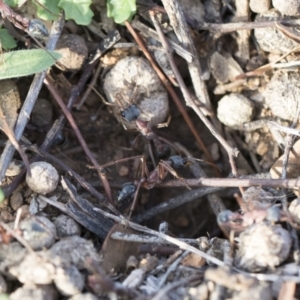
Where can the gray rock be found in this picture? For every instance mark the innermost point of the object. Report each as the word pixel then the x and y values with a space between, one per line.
pixel 66 226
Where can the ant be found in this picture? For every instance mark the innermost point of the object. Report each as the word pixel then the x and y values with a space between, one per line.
pixel 148 181
pixel 130 112
pixel 33 27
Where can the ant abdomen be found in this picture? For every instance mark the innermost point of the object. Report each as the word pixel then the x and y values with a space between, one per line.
pixel 127 192
pixel 37 29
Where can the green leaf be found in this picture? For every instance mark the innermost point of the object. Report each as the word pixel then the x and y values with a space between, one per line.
pixel 12 3
pixel 121 10
pixel 26 62
pixel 47 9
pixel 77 10
pixel 7 41
pixel 2 198
pixel 4 297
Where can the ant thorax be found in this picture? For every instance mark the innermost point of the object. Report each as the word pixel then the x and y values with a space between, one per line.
pixel 135 92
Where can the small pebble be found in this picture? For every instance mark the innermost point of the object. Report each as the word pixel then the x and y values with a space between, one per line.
pixel 256 198
pixel 11 254
pixel 194 9
pixel 133 81
pixel 37 204
pixel 271 39
pixel 234 110
pixel 294 210
pixel 69 281
pixel 35 268
pixel 66 226
pixel 135 278
pixel 16 200
pixel 260 6
pixel 43 179
pixel 149 263
pixel 6 216
pixel 24 211
pixel 42 113
pixel 217 247
pixel 224 68
pixel 30 292
pixel 262 246
pixel 38 231
pixel 203 243
pixel 287 7
pixel 14 168
pixel 74 250
pixel 257 292
pixel 9 101
pixel 280 94
pixel 74 52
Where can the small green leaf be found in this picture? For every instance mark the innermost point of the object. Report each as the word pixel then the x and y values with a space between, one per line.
pixel 7 41
pixel 26 62
pixel 77 10
pixel 47 9
pixel 121 10
pixel 12 3
pixel 2 198
pixel 4 297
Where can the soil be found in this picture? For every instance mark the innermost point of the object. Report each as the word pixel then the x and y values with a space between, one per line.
pixel 225 241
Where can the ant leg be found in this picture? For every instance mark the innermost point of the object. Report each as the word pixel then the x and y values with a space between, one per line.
pixel 145 171
pixel 151 154
pixel 135 199
pixel 133 144
pixel 173 172
pixel 100 96
pixel 145 174
pixel 172 145
pixel 117 161
pixel 165 124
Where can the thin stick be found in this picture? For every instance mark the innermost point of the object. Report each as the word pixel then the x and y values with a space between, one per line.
pixel 90 87
pixel 233 182
pixel 146 239
pixel 232 27
pixel 182 31
pixel 149 32
pixel 50 85
pixel 242 14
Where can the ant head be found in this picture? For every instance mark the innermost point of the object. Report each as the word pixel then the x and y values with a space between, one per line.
pixel 60 139
pixel 224 217
pixel 273 214
pixel 178 161
pixel 131 113
pixel 163 152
